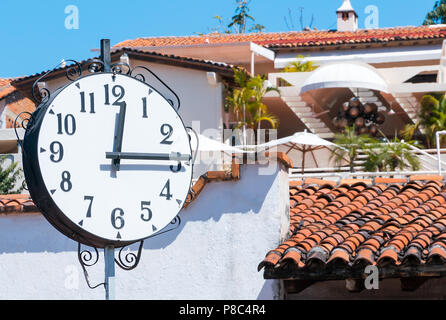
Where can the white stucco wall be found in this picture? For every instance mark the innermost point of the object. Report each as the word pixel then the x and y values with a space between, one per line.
pixel 214 254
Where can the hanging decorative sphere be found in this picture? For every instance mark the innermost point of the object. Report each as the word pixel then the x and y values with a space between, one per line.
pixel 370 108
pixel 354 102
pixel 360 122
pixel 354 112
pixel 365 118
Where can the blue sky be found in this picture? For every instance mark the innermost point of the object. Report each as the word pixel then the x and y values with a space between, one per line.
pixel 34 37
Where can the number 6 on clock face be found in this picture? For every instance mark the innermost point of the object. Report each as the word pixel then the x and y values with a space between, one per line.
pixel 86 196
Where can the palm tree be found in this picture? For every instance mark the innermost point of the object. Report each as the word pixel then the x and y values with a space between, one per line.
pixel 300 66
pixel 432 119
pixel 437 15
pixel 391 156
pixel 240 19
pixel 349 145
pixel 9 176
pixel 246 101
pixel 239 22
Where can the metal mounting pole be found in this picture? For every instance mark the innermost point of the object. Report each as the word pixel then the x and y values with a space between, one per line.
pixel 109 255
pixel 109 251
pixel 105 54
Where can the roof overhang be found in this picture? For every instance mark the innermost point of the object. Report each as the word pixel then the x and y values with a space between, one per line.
pixel 237 53
pixel 382 55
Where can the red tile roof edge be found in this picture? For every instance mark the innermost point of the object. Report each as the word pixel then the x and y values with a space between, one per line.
pixel 6 88
pixel 335 231
pixel 116 51
pixel 17 204
pixel 296 38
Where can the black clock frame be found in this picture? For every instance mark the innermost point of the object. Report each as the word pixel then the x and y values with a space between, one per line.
pixel 34 179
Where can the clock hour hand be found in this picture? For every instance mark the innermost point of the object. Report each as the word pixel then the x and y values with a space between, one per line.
pixel 176 156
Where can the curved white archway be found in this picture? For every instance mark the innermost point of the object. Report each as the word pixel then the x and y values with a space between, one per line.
pixel 345 75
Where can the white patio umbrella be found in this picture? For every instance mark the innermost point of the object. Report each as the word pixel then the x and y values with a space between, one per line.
pixel 208 144
pixel 301 141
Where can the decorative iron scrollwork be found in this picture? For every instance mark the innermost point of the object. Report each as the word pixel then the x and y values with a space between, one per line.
pixel 130 260
pixel 22 122
pixel 73 72
pixel 88 259
pixel 120 68
pixel 176 104
pixel 24 185
pixel 198 142
pixel 95 65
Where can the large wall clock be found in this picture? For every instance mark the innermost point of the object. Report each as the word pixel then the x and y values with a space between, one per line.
pixel 107 159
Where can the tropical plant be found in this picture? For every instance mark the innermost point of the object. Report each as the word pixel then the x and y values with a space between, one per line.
pixel 246 101
pixel 432 119
pixel 240 21
pixel 390 156
pixel 9 175
pixel 300 65
pixel 348 146
pixel 241 17
pixel 437 15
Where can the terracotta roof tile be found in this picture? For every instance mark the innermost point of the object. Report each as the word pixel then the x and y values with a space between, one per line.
pixel 6 88
pixel 297 39
pixel 17 203
pixel 354 225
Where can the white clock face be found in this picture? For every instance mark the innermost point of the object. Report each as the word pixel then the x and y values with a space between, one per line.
pixel 119 187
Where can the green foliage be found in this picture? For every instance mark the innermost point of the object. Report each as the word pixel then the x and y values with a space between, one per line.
pixel 432 119
pixel 381 156
pixel 391 156
pixel 300 66
pixel 240 21
pixel 9 176
pixel 246 101
pixel 257 28
pixel 437 15
pixel 349 145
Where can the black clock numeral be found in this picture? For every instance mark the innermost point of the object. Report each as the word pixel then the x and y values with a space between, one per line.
pixel 117 91
pixel 144 107
pixel 167 131
pixel 107 94
pixel 89 198
pixel 166 191
pixel 145 206
pixel 83 102
pixel 117 219
pixel 66 184
pixel 68 124
pixel 56 149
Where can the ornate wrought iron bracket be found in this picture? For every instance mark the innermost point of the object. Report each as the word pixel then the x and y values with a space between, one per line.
pixel 75 71
pixel 126 260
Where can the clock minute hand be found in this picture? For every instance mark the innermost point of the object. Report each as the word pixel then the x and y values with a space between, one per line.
pixel 176 156
pixel 117 146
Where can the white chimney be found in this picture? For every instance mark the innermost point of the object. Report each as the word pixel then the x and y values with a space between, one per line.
pixel 347 18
